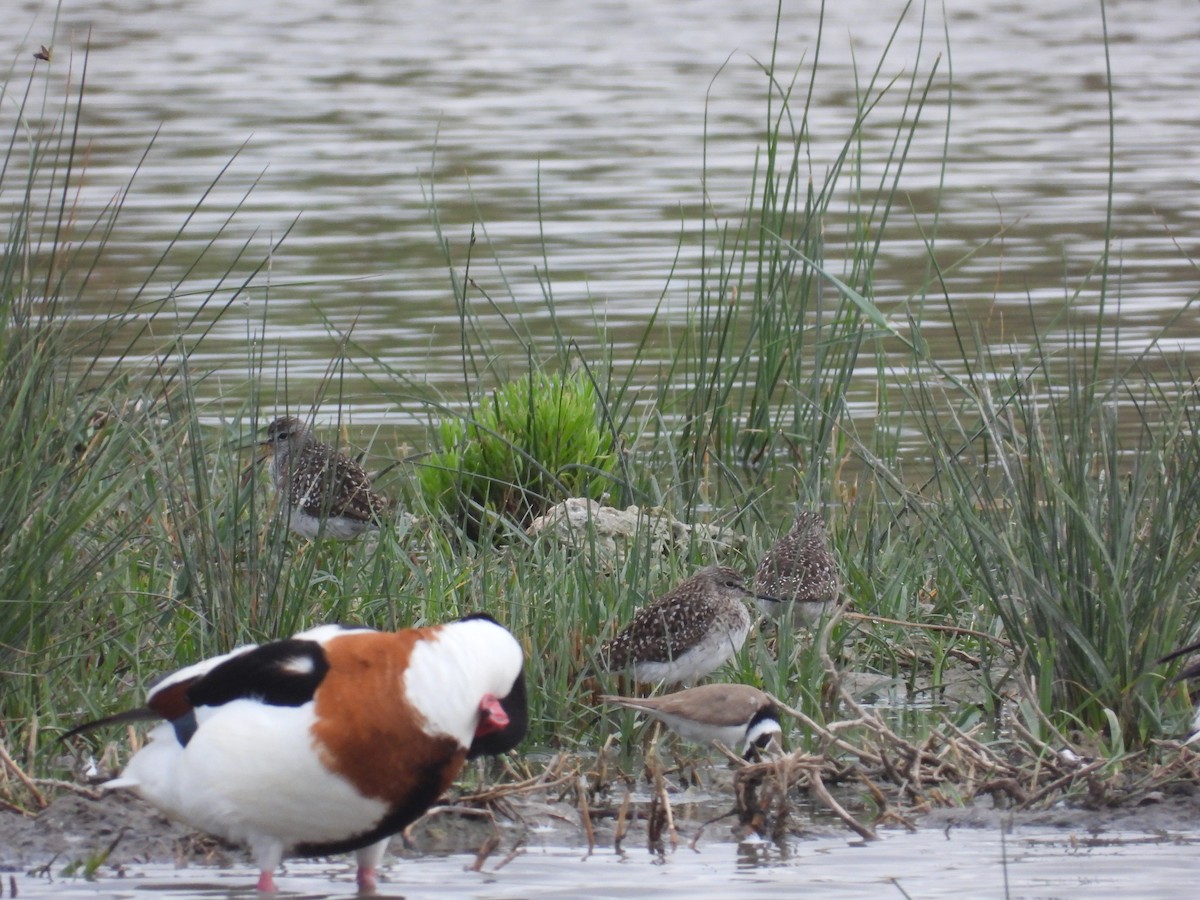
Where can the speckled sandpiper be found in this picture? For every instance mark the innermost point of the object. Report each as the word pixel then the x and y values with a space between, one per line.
pixel 687 632
pixel 326 493
pixel 797 579
pixel 737 715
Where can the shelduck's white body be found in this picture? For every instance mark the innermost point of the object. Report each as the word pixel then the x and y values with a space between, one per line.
pixel 332 740
pixel 238 777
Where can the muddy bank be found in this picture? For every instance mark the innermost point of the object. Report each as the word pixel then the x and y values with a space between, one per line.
pixel 129 832
pixel 75 829
pixel 1174 808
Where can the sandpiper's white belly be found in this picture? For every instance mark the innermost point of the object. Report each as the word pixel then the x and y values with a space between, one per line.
pixel 341 528
pixel 718 645
pixel 797 613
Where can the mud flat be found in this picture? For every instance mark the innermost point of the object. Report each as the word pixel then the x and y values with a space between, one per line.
pixel 540 849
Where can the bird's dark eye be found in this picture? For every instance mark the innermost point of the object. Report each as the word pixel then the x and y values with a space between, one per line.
pixel 282 436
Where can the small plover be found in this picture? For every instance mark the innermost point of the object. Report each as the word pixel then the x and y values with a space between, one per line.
pixel 1189 672
pixel 737 715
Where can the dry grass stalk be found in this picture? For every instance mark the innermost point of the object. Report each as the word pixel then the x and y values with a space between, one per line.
pixel 902 775
pixel 582 789
pixel 622 825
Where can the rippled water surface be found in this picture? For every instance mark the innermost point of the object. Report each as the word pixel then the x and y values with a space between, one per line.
pixel 1030 863
pixel 588 144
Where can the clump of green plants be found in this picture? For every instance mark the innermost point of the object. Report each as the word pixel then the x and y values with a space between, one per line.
pixel 532 442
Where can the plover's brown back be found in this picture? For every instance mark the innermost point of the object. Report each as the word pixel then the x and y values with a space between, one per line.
pixel 737 715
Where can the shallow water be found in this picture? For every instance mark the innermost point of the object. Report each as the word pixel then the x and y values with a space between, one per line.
pixel 1030 862
pixel 590 145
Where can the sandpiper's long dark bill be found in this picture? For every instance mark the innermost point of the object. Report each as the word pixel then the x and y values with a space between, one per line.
pixel 737 715
pixel 687 632
pixel 329 741
pixel 797 579
pixel 325 492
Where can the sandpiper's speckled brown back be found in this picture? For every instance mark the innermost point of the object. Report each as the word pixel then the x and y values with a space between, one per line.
pixel 800 570
pixel 687 632
pixel 315 480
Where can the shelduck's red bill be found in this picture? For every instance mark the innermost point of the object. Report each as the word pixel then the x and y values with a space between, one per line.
pixel 492 716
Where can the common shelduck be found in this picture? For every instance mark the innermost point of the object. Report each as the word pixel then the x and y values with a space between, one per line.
pixel 737 715
pixel 324 492
pixel 329 741
pixel 797 579
pixel 687 632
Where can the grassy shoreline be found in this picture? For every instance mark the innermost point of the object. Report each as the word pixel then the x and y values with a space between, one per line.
pixel 1060 519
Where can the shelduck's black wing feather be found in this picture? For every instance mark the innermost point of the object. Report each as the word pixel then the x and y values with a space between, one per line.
pixel 282 673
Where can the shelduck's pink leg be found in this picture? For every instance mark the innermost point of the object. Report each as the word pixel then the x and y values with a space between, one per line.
pixel 268 853
pixel 367 882
pixel 368 865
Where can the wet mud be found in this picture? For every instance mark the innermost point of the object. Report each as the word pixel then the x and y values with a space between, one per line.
pixel 118 831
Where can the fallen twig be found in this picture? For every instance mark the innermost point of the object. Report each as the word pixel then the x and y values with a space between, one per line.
pixel 38 797
pixel 822 792
pixel 929 626
pixel 487 849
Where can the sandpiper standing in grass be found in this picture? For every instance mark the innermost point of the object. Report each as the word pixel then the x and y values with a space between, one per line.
pixel 687 632
pixel 737 715
pixel 325 492
pixel 797 579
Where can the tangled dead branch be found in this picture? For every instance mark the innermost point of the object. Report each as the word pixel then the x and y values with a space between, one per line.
pixel 902 777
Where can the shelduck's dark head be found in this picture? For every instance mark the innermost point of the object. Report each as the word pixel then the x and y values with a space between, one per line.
pixel 503 721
